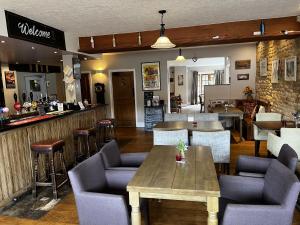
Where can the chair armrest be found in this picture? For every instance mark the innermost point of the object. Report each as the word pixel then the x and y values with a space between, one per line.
pixel 119 179
pixel 90 208
pixel 241 189
pixel 252 164
pixel 133 159
pixel 256 215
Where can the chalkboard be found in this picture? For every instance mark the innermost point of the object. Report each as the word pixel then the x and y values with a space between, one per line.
pixel 153 115
pixel 148 95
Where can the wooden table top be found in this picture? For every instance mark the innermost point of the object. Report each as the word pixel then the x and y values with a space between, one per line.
pixel 161 174
pixel 205 126
pixel 273 125
pixel 230 110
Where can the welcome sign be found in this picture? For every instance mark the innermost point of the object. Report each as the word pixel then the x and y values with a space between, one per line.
pixel 20 27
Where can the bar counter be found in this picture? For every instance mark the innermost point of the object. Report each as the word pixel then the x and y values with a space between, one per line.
pixel 15 141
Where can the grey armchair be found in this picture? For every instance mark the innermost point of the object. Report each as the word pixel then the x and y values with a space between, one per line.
pixel 255 201
pixel 113 159
pixel 257 167
pixel 100 195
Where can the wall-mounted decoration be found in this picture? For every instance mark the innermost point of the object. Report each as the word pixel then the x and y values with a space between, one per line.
pixel 275 69
pixel 151 76
pixel 244 76
pixel 290 69
pixel 242 64
pixel 180 80
pixel 263 65
pixel 10 79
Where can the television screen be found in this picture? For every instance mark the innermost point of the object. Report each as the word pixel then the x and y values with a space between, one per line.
pixel 76 68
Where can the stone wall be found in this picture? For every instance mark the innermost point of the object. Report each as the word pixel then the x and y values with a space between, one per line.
pixel 284 96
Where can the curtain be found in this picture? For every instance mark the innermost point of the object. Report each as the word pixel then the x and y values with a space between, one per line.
pixel 194 98
pixel 219 77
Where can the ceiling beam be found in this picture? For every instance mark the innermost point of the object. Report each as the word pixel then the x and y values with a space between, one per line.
pixel 233 32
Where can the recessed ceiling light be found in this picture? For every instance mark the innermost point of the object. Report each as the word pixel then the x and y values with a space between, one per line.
pixel 2 41
pixel 55 52
pixel 32 48
pixel 85 58
pixel 17 62
pixel 61 60
pixel 38 61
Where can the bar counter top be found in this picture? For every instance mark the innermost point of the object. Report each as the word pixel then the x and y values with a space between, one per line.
pixel 37 119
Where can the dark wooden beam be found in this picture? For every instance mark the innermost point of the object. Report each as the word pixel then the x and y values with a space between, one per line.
pixel 233 32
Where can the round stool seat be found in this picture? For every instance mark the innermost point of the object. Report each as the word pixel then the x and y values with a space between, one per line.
pixel 85 131
pixel 48 146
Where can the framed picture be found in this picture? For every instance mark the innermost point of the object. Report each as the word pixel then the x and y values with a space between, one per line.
pixel 242 64
pixel 244 76
pixel 274 75
pixel 151 76
pixel 263 66
pixel 10 79
pixel 180 80
pixel 290 73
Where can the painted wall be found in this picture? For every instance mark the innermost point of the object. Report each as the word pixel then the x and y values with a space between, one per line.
pixel 133 60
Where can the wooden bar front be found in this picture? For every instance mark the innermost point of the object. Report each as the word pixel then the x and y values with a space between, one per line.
pixel 15 153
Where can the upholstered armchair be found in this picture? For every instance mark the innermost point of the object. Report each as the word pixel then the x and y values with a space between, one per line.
pixel 262 135
pixel 255 201
pixel 170 137
pixel 257 167
pixel 206 117
pixel 219 142
pixel 287 136
pixel 176 117
pixel 113 159
pixel 100 195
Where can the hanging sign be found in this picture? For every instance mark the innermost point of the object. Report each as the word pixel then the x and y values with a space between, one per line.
pixel 20 27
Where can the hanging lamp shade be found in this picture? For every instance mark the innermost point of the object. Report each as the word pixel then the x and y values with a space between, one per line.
pixel 180 57
pixel 163 41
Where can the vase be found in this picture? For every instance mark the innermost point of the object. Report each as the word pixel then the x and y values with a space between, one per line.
pixel 182 154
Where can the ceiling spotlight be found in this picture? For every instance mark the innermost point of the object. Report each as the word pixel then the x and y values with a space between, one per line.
pixel 17 62
pixel 55 52
pixel 139 39
pixel 61 60
pixel 2 41
pixel 32 48
pixel 180 57
pixel 163 41
pixel 85 58
pixel 114 41
pixel 194 59
pixel 216 37
pixel 38 61
pixel 287 32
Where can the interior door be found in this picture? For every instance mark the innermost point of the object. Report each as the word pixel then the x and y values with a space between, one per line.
pixel 85 87
pixel 123 95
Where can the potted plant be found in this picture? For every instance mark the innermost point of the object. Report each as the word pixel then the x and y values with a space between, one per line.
pixel 248 92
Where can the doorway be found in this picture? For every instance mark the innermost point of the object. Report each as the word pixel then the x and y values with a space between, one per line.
pixel 85 87
pixel 124 98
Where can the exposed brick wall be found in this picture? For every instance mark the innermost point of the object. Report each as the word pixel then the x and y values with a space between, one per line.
pixel 284 96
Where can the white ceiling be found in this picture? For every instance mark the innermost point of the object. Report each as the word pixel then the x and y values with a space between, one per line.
pixel 98 17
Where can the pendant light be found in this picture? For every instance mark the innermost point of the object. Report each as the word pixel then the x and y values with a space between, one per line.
pixel 163 41
pixel 180 57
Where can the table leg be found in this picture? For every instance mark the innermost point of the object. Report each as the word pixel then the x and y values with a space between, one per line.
pixel 212 208
pixel 134 201
pixel 241 129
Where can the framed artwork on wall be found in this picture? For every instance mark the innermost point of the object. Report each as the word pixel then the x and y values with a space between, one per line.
pixel 263 66
pixel 290 72
pixel 274 75
pixel 10 79
pixel 180 80
pixel 151 76
pixel 242 64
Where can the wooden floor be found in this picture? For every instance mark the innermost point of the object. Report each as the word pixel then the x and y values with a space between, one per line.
pixel 164 212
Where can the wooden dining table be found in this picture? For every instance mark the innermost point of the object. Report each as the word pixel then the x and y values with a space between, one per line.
pixel 161 177
pixel 204 126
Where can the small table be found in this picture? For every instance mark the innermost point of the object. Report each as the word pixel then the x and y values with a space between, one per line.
pixel 205 126
pixel 231 112
pixel 161 177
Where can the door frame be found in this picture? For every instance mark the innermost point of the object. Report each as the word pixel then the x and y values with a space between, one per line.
pixel 111 94
pixel 91 85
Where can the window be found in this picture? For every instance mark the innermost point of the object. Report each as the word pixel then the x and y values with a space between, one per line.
pixel 205 79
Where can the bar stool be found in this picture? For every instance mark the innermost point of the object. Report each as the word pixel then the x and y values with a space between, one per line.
pixel 82 138
pixel 106 130
pixel 50 148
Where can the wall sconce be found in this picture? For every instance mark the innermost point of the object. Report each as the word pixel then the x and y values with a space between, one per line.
pixel 114 41
pixel 97 71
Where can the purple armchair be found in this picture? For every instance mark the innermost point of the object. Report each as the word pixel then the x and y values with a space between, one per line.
pixel 255 201
pixel 100 194
pixel 113 159
pixel 257 167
